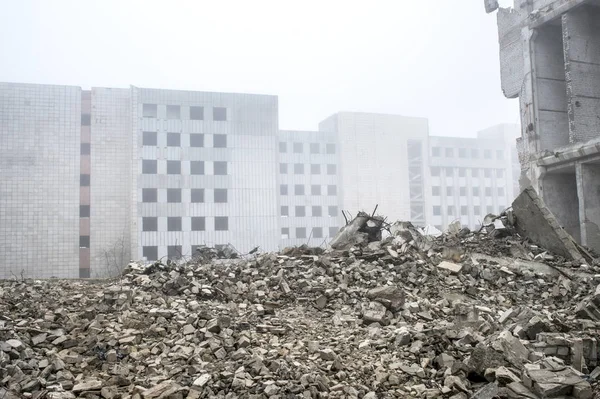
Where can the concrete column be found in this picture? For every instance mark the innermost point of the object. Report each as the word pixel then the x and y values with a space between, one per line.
pixel 559 191
pixel 588 191
pixel 581 42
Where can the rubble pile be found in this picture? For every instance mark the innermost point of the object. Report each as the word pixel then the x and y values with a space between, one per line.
pixel 465 314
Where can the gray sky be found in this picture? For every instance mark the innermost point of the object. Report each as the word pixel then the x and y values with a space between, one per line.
pixel 436 59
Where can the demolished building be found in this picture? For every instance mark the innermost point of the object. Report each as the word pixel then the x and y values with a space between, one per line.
pixel 550 60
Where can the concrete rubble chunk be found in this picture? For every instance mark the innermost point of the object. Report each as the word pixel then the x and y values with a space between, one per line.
pixel 452 267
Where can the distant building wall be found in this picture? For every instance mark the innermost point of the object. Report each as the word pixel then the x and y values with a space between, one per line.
pixel 308 168
pixel 40 129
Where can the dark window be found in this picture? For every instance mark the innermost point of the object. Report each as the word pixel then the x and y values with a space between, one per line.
pixel 198 223
pixel 221 223
pixel 219 114
pixel 174 223
pixel 333 211
pixel 173 139
pixel 220 195
pixel 333 231
pixel 463 210
pixel 197 195
pixel 298 148
pixel 436 151
pixel 173 112
pixel 317 211
pixel 86 119
pixel 85 149
pixel 196 140
pixel 299 189
pixel 299 168
pixel 285 210
pixel 475 172
pixel 149 195
pixel 84 241
pixel 173 167
pixel 487 173
pixel 174 251
pixel 331 190
pixel 449 172
pixel 314 148
pixel 173 195
pixel 475 191
pixel 84 180
pixel 331 148
pixel 283 189
pixel 220 168
pixel 437 210
pixel 149 111
pixel 300 211
pixel 315 169
pixel 436 190
pixel 435 171
pixel 315 189
pixel 150 253
pixel 463 191
pixel 449 152
pixel 282 146
pixel 476 210
pixel 300 232
pixel 196 167
pixel 84 211
pixel 462 153
pixel 331 169
pixel 150 224
pixel 149 138
pixel 488 191
pixel 285 233
pixel 449 191
pixel 219 141
pixel 149 166
pixel 196 113
pixel 317 232
pixel 283 168
pixel 462 172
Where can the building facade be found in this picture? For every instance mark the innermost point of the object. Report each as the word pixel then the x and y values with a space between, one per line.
pixel 94 178
pixel 550 60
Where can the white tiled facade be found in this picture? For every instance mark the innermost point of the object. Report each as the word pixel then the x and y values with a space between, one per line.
pixel 39 188
pixel 472 177
pixel 308 184
pixel 92 179
pixel 375 166
pixel 215 182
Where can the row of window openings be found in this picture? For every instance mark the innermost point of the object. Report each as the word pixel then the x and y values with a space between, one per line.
pixel 464 210
pixel 464 153
pixel 462 172
pixel 174 139
pixel 198 223
pixel 437 191
pixel 174 195
pixel 315 169
pixel 301 232
pixel 173 251
pixel 174 112
pixel 314 148
pixel 315 189
pixel 317 211
pixel 150 166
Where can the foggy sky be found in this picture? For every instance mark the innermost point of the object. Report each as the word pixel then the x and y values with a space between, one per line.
pixel 436 59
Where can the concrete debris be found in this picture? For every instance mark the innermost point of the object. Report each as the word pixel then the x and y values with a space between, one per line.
pixel 407 315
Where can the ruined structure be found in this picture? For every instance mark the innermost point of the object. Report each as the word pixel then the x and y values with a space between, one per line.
pixel 550 60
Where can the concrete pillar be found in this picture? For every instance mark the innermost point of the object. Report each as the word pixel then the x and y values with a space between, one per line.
pixel 581 42
pixel 588 190
pixel 559 191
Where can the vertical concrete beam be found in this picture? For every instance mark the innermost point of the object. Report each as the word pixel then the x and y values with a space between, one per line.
pixel 588 191
pixel 581 42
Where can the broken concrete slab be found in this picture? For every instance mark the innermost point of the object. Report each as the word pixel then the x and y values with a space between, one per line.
pixel 452 267
pixel 535 221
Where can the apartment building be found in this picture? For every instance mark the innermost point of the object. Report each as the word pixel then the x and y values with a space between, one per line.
pixel 94 178
pixel 472 177
pixel 383 162
pixel 310 212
